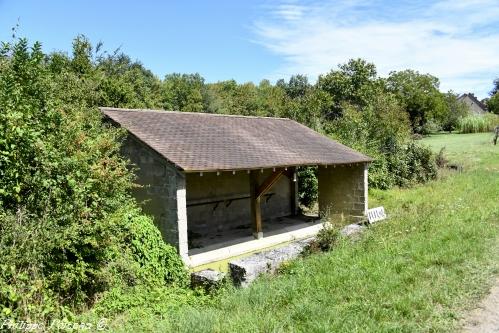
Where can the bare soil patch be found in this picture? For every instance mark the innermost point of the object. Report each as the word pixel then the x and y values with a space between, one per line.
pixel 485 318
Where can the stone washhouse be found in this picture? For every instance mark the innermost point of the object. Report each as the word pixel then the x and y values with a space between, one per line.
pixel 222 186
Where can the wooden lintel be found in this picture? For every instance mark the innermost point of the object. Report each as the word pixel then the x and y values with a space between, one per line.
pixel 267 183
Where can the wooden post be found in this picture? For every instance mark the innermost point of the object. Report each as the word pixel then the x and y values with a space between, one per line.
pixel 256 192
pixel 256 215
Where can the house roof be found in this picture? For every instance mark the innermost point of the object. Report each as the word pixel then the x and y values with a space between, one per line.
pixel 474 99
pixel 197 142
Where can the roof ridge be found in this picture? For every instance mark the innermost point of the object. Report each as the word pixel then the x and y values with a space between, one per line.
pixel 105 108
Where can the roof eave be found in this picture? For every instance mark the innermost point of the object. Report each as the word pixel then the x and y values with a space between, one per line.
pixel 367 161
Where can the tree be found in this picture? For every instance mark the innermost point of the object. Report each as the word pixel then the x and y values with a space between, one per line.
pixel 183 92
pixel 420 96
pixel 107 79
pixel 493 104
pixel 456 110
pixel 354 83
pixel 228 97
pixel 126 83
pixel 493 101
pixel 296 87
pixel 311 109
pixel 81 62
pixel 271 100
pixel 495 90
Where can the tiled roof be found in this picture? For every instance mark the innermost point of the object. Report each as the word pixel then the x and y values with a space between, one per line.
pixel 209 142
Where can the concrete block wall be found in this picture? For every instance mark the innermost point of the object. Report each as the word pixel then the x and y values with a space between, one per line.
pixel 211 186
pixel 343 191
pixel 162 193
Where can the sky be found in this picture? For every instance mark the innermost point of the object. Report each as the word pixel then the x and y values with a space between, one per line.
pixel 455 40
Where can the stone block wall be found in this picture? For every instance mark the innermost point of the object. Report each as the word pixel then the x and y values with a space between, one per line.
pixel 343 191
pixel 162 193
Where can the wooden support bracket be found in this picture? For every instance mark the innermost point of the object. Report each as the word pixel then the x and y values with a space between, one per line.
pixel 256 192
pixel 267 183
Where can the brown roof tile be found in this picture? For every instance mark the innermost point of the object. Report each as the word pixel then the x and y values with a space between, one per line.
pixel 209 142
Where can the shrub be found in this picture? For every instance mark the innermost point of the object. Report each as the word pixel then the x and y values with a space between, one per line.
pixel 308 185
pixel 157 262
pixel 325 240
pixel 412 164
pixel 24 288
pixel 69 229
pixel 478 124
pixel 38 282
pixel 431 126
pixel 383 134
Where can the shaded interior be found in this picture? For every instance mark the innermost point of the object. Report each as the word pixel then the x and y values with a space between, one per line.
pixel 219 212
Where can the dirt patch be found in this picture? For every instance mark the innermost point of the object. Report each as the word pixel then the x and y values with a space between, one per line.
pixel 485 318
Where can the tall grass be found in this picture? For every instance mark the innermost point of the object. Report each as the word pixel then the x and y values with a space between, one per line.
pixel 478 124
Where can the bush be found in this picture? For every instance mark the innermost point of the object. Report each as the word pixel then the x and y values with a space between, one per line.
pixel 431 126
pixel 24 286
pixel 308 186
pixel 325 240
pixel 69 229
pixel 382 132
pixel 157 262
pixel 478 124
pixel 412 164
pixel 38 282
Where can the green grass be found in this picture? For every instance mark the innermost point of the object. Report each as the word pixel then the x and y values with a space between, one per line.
pixel 471 150
pixel 417 272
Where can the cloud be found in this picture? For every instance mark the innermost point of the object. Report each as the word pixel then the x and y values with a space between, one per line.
pixel 457 41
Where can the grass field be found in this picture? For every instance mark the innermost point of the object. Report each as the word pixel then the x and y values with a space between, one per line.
pixel 471 150
pixel 417 272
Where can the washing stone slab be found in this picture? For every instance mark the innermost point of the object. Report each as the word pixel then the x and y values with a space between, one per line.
pixel 208 279
pixel 245 270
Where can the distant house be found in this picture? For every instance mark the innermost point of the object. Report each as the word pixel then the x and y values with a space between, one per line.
pixel 476 107
pixel 211 181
